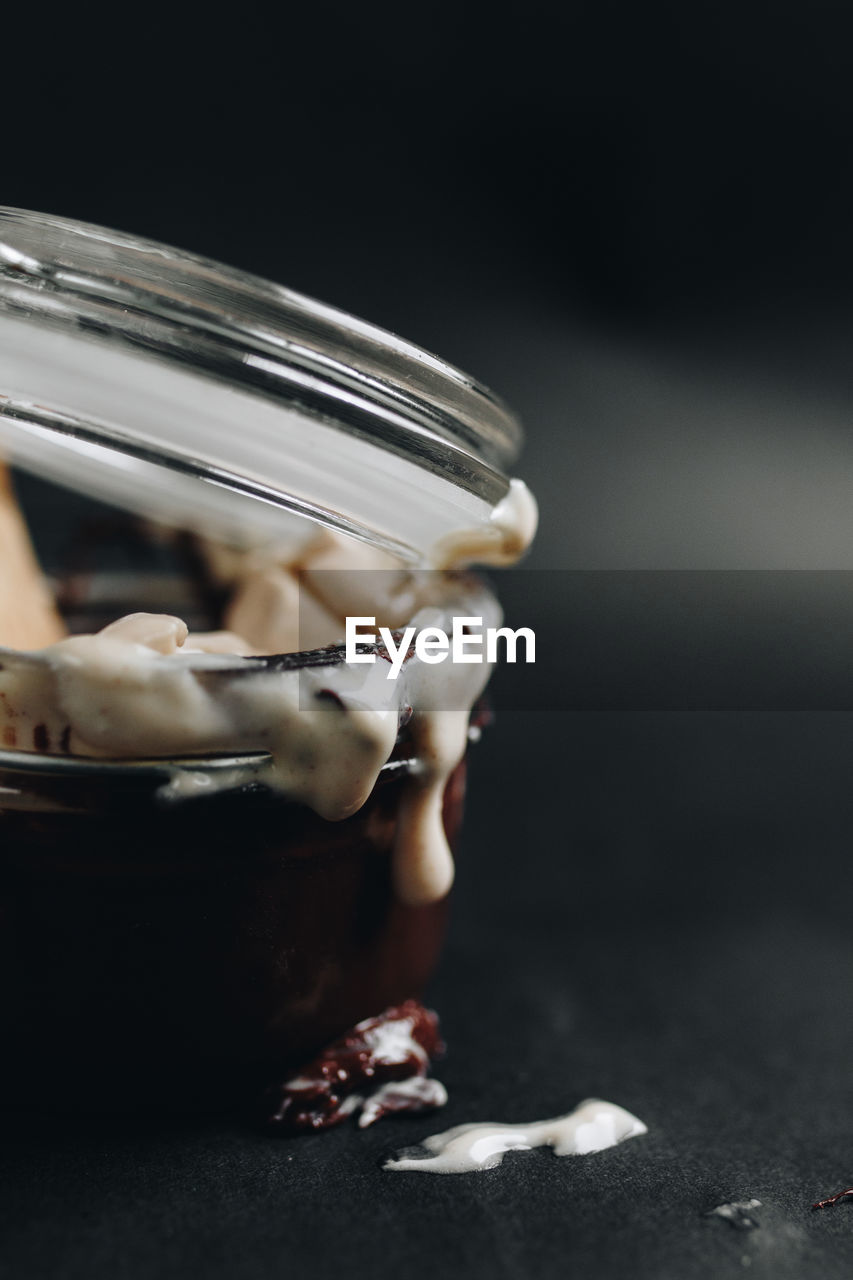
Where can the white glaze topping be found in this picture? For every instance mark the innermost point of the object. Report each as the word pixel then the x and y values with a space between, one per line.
pixel 467 1148
pixel 502 540
pixel 418 1093
pixel 142 687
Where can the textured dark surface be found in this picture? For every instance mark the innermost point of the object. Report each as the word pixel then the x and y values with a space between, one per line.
pixel 653 908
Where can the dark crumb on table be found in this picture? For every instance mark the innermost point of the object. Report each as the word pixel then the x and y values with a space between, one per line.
pixel 377 1068
pixel 836 1199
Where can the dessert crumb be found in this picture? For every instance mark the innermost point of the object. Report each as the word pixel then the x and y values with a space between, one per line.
pixel 738 1213
pixel 378 1068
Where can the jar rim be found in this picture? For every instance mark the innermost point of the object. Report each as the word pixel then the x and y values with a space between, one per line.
pixel 252 763
pixel 125 365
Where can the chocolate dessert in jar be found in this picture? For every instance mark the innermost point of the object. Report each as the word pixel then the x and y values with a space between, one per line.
pixel 225 844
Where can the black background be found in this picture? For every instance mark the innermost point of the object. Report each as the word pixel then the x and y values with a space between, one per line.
pixel 634 223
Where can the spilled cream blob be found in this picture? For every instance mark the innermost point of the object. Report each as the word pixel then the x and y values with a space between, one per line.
pixel 470 1148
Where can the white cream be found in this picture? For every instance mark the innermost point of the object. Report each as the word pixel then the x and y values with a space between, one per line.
pixel 467 1148
pixel 142 688
pixel 502 540
pixel 392 1042
pixel 418 1093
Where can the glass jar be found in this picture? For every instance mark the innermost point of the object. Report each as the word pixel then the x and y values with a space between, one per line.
pixel 180 954
pixel 179 930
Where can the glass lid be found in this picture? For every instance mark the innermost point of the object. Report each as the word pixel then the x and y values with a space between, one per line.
pixel 206 397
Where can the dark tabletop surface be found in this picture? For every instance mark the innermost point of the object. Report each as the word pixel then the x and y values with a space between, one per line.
pixel 653 907
pixel 654 895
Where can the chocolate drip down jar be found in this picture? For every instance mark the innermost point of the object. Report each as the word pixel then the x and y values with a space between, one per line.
pixel 222 842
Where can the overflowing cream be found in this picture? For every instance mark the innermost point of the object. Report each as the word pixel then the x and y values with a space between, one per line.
pixel 502 540
pixel 143 687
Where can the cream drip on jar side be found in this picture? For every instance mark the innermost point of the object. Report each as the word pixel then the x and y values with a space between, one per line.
pixel 501 540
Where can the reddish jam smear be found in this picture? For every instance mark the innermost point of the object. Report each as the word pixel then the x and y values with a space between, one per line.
pixel 841 1195
pixel 395 1046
